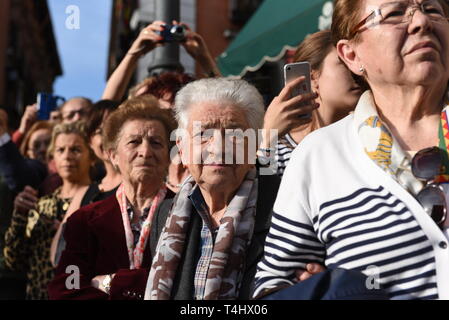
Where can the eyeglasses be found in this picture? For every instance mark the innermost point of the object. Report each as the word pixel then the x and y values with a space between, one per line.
pixel 70 115
pixel 400 13
pixel 426 165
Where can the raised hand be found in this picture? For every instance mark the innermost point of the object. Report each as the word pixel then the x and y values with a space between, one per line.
pixel 285 112
pixel 29 118
pixel 148 39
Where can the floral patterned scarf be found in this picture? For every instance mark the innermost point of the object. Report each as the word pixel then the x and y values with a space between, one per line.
pixel 382 147
pixel 228 258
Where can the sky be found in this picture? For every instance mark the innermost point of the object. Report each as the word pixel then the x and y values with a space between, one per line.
pixel 83 41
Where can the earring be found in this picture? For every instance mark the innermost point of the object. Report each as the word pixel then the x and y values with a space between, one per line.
pixel 362 69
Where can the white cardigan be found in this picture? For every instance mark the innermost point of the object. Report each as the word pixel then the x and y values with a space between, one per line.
pixel 335 206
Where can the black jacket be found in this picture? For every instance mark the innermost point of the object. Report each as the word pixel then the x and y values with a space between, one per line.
pixel 183 284
pixel 18 171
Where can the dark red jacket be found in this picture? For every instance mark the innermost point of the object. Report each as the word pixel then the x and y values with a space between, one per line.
pixel 96 245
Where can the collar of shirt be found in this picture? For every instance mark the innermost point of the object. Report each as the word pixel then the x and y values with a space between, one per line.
pixel 4 139
pixel 290 140
pixel 381 146
pixel 206 248
pixel 138 224
pixel 198 202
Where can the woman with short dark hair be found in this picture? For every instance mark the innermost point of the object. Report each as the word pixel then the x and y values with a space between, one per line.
pixel 110 241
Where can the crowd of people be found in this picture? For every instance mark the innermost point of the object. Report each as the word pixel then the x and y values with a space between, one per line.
pixel 159 193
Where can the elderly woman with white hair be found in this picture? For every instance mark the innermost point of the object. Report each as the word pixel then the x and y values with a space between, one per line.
pixel 214 235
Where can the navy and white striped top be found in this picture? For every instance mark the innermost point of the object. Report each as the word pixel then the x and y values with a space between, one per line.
pixel 284 148
pixel 337 208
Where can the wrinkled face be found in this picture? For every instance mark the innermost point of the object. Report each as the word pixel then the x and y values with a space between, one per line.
pixel 416 53
pixel 142 154
pixel 75 110
pixel 210 155
pixel 336 86
pixel 38 145
pixel 72 157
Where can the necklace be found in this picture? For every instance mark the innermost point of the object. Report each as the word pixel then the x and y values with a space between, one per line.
pixel 65 203
pixel 65 206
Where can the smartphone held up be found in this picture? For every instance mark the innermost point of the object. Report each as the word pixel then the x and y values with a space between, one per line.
pixel 46 103
pixel 295 70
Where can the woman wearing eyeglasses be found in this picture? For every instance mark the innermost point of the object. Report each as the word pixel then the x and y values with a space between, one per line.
pixel 349 197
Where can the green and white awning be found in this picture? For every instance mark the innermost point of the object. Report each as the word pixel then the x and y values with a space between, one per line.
pixel 278 25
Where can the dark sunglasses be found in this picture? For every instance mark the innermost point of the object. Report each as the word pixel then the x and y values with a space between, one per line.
pixel 426 165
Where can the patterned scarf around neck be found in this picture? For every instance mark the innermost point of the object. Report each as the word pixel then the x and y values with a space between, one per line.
pixel 135 253
pixel 382 147
pixel 228 258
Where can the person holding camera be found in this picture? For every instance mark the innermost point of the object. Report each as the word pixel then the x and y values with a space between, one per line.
pixel 165 86
pixel 149 38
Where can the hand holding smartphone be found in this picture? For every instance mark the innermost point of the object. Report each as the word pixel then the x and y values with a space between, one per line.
pixel 295 70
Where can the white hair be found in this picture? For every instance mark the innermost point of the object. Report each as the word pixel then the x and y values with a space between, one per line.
pixel 221 90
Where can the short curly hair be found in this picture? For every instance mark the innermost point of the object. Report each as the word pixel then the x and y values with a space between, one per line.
pixel 144 107
pixel 160 85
